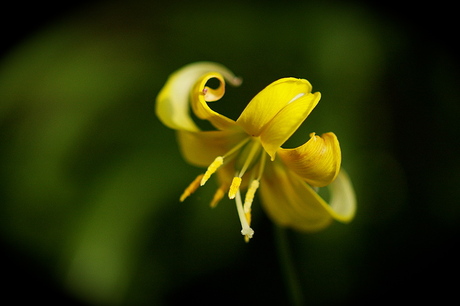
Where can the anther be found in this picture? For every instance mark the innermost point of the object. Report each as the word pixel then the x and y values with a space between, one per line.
pixel 220 192
pixel 234 187
pixel 211 169
pixel 250 195
pixel 191 188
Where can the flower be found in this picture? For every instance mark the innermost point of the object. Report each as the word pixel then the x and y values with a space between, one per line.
pixel 246 154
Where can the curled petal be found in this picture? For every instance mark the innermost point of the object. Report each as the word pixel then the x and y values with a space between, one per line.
pixel 291 202
pixel 317 161
pixel 270 101
pixel 201 148
pixel 172 103
pixel 201 94
pixel 287 121
pixel 343 198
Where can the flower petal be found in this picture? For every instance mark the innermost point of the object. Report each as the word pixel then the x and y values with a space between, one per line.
pixel 172 103
pixel 343 198
pixel 317 161
pixel 287 121
pixel 291 202
pixel 201 94
pixel 201 148
pixel 267 103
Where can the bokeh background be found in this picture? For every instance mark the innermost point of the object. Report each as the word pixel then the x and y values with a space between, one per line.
pixel 90 179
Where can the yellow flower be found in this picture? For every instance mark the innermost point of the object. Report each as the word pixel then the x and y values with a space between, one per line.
pixel 246 154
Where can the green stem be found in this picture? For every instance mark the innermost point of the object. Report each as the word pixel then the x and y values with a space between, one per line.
pixel 291 278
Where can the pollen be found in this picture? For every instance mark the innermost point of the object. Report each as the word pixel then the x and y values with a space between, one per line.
pixel 219 161
pixel 234 187
pixel 249 198
pixel 250 195
pixel 218 195
pixel 191 188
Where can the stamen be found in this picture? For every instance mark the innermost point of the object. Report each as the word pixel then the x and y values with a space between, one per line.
pixel 263 158
pixel 191 188
pixel 246 230
pixel 250 196
pixel 237 147
pixel 234 187
pixel 212 168
pixel 220 192
pixel 255 147
pixel 248 217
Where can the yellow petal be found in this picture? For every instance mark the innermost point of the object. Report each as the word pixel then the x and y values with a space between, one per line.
pixel 343 198
pixel 267 103
pixel 173 101
pixel 291 202
pixel 201 94
pixel 287 121
pixel 317 161
pixel 201 148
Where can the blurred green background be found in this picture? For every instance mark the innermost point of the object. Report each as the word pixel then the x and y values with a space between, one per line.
pixel 90 179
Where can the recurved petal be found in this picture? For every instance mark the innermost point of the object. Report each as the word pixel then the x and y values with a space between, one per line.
pixel 201 94
pixel 287 121
pixel 317 161
pixel 343 198
pixel 172 103
pixel 270 101
pixel 201 148
pixel 291 202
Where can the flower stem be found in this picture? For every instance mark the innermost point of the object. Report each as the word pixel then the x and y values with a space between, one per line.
pixel 291 278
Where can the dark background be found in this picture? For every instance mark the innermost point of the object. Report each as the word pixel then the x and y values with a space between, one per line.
pixel 392 100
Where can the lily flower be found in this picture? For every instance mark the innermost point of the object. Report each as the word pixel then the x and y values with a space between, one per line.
pixel 246 154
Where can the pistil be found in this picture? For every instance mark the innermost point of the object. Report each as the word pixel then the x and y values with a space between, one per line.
pixel 246 230
pixel 251 158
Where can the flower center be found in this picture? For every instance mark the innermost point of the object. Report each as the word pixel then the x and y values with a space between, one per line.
pixel 248 159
